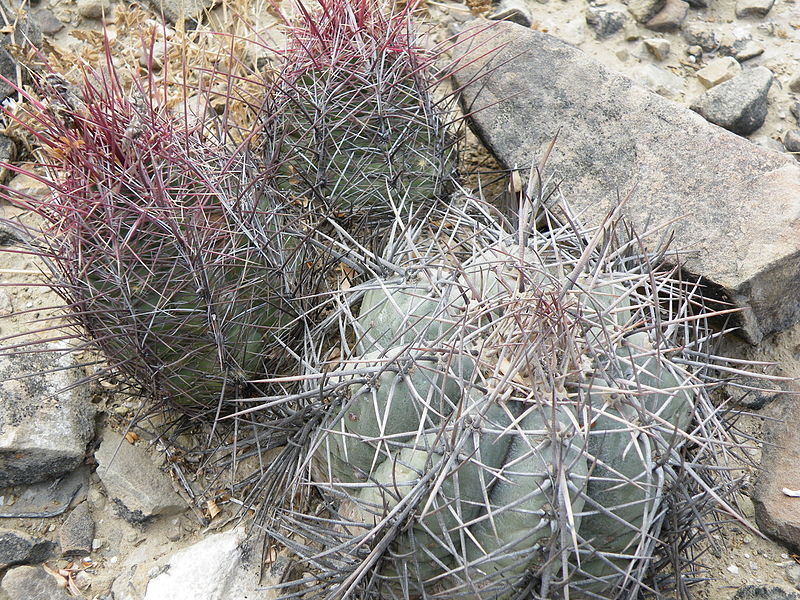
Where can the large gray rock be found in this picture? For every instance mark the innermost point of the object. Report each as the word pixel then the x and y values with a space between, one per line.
pixel 739 104
pixel 133 481
pixel 46 416
pixel 733 205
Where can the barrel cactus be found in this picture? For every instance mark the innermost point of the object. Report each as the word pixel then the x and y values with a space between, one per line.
pixel 353 123
pixel 168 256
pixel 512 420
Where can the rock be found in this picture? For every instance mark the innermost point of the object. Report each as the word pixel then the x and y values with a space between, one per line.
pixel 739 104
pixel 746 49
pixel 48 23
pixel 764 592
pixel 515 11
pixel 188 11
pixel 795 110
pixel 742 202
pixel 25 34
pixel 662 82
pixel 77 532
pixel 185 577
pixel 793 573
pixel 604 22
pixel 753 8
pixel 26 31
pixel 139 489
pixel 32 583
pixel 94 9
pixel 658 47
pixel 670 18
pixel 48 498
pixel 698 34
pixel 46 416
pixel 698 3
pixel 753 393
pixel 8 151
pixel 644 10
pixel 719 70
pixel 766 141
pixel 776 513
pixel 791 141
pixel 630 32
pixel 17 548
pixel 794 83
pixel 27 187
pixel 695 52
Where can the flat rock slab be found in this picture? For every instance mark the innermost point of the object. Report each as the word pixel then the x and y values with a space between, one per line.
pixel 47 498
pixel 133 481
pixel 46 416
pixel 735 207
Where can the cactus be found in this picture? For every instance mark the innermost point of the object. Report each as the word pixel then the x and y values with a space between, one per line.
pixel 166 254
pixel 355 129
pixel 548 466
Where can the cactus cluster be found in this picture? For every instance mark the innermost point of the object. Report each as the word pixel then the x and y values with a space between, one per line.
pixel 488 406
pixel 501 429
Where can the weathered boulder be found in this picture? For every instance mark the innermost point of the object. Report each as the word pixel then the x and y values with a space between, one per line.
pixel 733 206
pixel 133 481
pixel 46 416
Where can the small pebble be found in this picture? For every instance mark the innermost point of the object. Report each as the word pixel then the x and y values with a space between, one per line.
pixel 719 70
pixel 670 17
pixel 733 569
pixel 791 141
pixel 793 573
pixel 753 8
pixel 794 83
pixel 93 9
pixel 658 47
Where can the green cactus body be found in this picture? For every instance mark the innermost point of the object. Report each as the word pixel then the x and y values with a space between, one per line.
pixel 499 272
pixel 412 392
pixel 201 328
pixel 355 150
pixel 461 485
pixel 623 483
pixel 514 521
pixel 404 312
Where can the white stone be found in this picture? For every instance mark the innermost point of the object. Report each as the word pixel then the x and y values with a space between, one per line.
pixel 212 569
